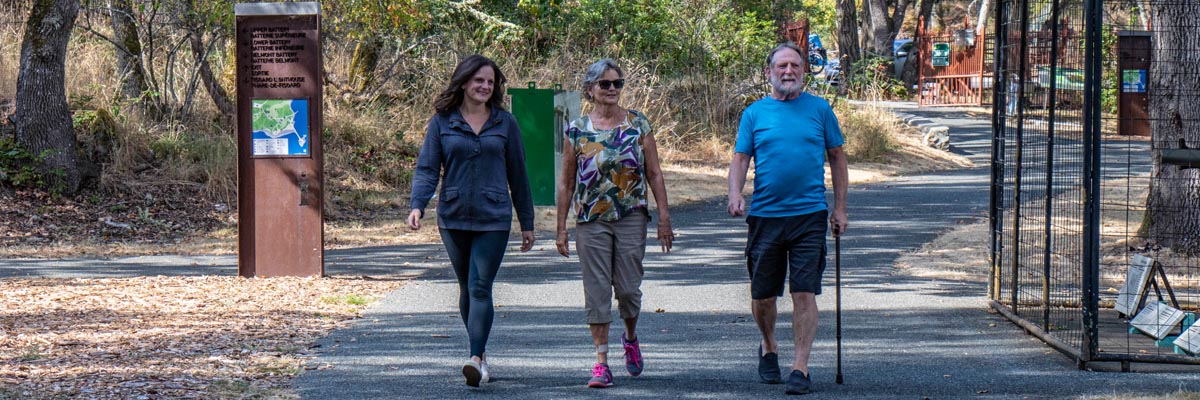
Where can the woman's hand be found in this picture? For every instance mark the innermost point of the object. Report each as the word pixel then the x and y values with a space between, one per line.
pixel 526 240
pixel 414 219
pixel 560 241
pixel 665 235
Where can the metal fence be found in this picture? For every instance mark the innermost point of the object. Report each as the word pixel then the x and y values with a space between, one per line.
pixel 1091 100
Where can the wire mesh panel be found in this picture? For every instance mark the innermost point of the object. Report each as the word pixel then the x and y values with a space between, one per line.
pixel 1095 214
pixel 1038 207
pixel 1150 204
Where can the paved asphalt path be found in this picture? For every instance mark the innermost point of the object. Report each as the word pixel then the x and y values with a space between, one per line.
pixel 903 337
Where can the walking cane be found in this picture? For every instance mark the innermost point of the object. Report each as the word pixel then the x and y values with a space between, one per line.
pixel 837 282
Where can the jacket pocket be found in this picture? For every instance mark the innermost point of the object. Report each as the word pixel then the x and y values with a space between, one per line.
pixel 450 206
pixel 498 206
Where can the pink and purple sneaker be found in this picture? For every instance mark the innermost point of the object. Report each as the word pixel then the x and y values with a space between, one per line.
pixel 633 356
pixel 601 377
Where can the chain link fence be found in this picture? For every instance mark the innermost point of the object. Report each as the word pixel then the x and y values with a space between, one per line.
pixel 1090 185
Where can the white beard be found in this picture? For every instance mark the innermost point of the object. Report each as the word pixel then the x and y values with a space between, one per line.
pixel 779 87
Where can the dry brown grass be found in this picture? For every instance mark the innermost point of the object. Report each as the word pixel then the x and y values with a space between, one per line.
pixel 869 131
pixel 11 28
pixel 9 62
pixel 168 337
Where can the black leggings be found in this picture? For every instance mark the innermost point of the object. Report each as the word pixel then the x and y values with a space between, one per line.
pixel 476 258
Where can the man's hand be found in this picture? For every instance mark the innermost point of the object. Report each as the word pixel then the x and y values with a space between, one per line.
pixel 737 205
pixel 560 241
pixel 526 240
pixel 837 220
pixel 737 182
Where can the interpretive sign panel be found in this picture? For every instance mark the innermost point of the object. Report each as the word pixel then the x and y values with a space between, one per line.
pixel 280 164
pixel 280 127
pixel 1133 81
pixel 1157 319
pixel 1190 339
pixel 941 55
pixel 1135 281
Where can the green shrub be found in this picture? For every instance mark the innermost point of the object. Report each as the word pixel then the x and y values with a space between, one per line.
pixel 871 79
pixel 18 166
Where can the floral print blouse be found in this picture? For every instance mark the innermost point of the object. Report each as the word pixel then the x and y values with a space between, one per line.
pixel 610 170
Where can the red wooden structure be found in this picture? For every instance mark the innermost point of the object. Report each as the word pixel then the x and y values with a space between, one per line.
pixel 797 32
pixel 967 77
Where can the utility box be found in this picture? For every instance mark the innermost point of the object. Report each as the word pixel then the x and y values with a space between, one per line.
pixel 280 161
pixel 543 115
pixel 1133 75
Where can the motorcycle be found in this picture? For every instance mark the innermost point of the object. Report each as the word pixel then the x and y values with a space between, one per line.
pixel 817 57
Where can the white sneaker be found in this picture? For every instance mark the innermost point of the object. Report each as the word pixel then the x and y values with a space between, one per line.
pixel 483 372
pixel 472 371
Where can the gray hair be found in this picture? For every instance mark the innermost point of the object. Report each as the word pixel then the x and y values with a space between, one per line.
pixel 780 47
pixel 596 70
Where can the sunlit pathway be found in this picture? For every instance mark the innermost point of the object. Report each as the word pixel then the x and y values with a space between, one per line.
pixel 903 336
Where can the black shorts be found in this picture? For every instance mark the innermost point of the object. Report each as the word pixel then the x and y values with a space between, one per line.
pixel 792 247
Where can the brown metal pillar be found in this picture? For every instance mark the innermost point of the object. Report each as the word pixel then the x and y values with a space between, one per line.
pixel 1133 74
pixel 280 160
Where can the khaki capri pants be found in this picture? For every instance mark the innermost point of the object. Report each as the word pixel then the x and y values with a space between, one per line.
pixel 610 254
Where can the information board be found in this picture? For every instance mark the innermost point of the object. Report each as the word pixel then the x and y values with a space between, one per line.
pixel 941 55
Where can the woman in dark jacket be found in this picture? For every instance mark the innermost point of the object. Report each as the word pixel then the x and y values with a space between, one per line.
pixel 474 146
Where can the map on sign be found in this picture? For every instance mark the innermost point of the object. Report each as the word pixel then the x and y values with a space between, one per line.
pixel 280 127
pixel 1133 81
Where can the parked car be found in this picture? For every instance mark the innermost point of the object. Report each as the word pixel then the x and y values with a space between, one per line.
pixel 900 50
pixel 833 71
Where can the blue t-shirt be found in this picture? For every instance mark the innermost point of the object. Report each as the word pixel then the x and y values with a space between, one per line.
pixel 787 141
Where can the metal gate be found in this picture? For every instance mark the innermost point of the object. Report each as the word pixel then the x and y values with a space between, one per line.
pixel 955 67
pixel 1072 181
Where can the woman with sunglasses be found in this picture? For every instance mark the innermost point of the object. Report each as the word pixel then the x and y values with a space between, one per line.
pixel 475 147
pixel 610 159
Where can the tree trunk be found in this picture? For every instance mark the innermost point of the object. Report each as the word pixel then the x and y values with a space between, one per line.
pixel 865 30
pixel 218 94
pixel 364 61
pixel 43 119
pixel 196 25
pixel 985 10
pixel 912 63
pixel 881 39
pixel 129 50
pixel 1173 205
pixel 897 22
pixel 847 38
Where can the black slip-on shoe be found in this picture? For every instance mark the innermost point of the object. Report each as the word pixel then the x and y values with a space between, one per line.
pixel 768 367
pixel 798 383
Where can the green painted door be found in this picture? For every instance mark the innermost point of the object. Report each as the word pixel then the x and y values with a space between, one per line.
pixel 534 110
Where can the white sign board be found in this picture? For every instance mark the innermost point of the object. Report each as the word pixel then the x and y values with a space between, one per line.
pixel 1157 319
pixel 1190 339
pixel 1135 281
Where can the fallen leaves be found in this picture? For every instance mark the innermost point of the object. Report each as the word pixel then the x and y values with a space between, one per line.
pixel 36 224
pixel 176 337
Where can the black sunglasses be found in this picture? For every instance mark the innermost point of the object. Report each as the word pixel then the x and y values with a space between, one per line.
pixel 619 83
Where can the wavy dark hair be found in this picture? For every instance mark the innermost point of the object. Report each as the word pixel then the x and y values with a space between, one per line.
pixel 452 97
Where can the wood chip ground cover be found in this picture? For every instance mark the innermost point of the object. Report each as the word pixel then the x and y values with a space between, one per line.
pixel 168 337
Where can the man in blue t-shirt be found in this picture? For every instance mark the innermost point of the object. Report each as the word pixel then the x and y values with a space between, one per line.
pixel 789 135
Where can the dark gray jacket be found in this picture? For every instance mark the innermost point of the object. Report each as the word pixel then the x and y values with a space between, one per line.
pixel 478 172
